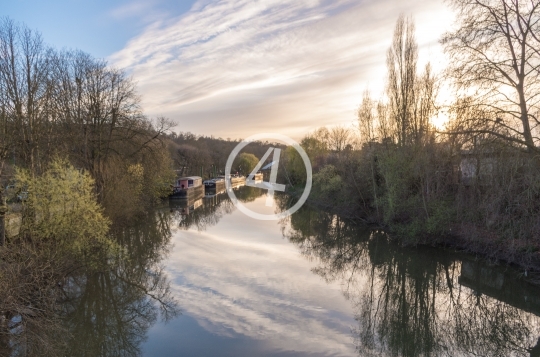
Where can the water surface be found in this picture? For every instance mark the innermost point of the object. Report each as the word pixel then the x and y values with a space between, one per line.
pixel 203 279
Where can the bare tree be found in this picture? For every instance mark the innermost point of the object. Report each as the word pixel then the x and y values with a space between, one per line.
pixel 98 108
pixel 401 61
pixel 5 147
pixel 404 113
pixel 426 90
pixel 495 53
pixel 367 118
pixel 367 121
pixel 339 137
pixel 322 135
pixel 24 73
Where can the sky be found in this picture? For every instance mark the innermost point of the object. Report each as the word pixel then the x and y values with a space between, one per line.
pixel 235 68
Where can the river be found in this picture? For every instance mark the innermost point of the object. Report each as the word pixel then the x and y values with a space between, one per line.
pixel 204 279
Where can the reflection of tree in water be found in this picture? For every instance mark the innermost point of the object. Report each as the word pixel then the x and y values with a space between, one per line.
pixel 208 214
pixel 212 209
pixel 417 302
pixel 109 310
pixel 248 193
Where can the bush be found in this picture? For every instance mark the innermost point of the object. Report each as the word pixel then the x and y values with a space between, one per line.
pixel 62 208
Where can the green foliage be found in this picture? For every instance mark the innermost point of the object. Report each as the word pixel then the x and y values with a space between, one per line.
pixel 158 175
pixel 132 187
pixel 327 182
pixel 407 189
pixel 330 189
pixel 314 147
pixel 398 201
pixel 246 162
pixel 135 174
pixel 62 209
pixel 442 215
pixel 295 170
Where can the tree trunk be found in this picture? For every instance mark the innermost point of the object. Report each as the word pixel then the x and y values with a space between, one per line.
pixel 527 135
pixel 3 210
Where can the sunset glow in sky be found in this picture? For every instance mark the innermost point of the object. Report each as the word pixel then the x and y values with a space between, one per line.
pixel 233 68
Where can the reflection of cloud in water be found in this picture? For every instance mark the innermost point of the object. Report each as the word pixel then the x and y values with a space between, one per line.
pixel 257 285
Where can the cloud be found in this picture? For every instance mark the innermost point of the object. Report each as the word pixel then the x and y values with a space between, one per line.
pixel 140 13
pixel 232 68
pixel 131 9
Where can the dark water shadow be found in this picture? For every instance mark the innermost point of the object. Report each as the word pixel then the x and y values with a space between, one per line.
pixel 419 302
pixel 109 309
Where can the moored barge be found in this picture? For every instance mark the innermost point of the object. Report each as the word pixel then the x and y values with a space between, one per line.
pixel 190 187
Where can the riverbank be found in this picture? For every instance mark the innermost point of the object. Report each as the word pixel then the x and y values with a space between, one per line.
pixel 470 239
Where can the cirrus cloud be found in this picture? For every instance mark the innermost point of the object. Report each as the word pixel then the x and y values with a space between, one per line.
pixel 233 68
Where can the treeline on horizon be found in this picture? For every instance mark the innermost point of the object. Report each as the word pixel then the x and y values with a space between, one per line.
pixel 199 154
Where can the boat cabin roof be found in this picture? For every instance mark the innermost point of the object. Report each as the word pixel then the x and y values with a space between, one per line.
pixel 191 178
